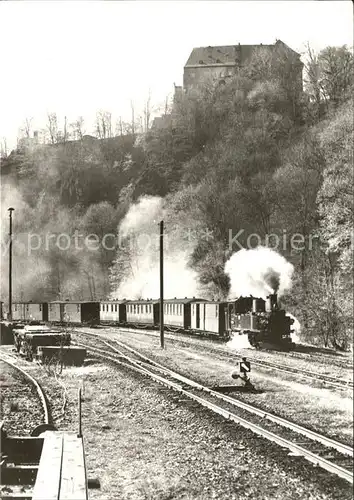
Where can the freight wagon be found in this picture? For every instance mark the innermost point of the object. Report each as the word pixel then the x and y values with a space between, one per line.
pixel 74 312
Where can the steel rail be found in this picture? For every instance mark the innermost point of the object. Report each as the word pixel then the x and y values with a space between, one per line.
pixel 305 373
pixel 342 448
pixel 294 448
pixel 35 383
pixel 338 383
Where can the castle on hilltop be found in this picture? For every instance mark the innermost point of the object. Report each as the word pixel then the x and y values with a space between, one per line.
pixel 220 63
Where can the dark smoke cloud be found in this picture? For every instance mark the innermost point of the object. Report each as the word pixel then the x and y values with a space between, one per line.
pixel 272 278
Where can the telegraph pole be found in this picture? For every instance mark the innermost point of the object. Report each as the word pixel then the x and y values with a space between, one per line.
pixel 10 264
pixel 162 336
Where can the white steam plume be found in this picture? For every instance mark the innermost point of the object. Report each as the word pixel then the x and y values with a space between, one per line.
pixel 239 342
pixel 258 272
pixel 138 265
pixel 142 217
pixel 296 326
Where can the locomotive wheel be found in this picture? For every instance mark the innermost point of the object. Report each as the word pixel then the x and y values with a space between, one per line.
pixel 37 431
pixel 254 343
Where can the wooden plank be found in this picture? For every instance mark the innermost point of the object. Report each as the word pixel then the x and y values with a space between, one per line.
pixel 49 472
pixel 73 484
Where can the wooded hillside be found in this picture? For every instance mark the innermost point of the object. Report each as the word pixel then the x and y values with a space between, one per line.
pixel 247 155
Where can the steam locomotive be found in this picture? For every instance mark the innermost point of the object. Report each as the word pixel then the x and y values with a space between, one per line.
pixel 262 320
pixel 264 323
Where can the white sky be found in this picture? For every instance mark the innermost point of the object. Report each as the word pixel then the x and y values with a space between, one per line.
pixel 75 58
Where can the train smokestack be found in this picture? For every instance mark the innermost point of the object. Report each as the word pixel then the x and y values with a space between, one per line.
pixel 272 302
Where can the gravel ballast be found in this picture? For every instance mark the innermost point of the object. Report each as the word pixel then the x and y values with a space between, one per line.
pixel 324 410
pixel 144 442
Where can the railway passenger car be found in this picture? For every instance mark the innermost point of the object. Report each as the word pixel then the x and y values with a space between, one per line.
pixel 209 317
pixel 144 312
pixel 177 312
pixel 74 312
pixel 29 311
pixel 113 311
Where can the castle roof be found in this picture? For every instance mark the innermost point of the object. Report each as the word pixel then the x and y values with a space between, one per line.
pixel 229 55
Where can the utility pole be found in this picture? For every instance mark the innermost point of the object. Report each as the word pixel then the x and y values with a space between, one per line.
pixel 162 337
pixel 10 265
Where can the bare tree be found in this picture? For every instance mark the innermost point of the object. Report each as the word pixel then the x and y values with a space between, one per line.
pixel 103 124
pixel 78 129
pixel 313 80
pixel 167 105
pixel 26 128
pixel 336 65
pixel 52 127
pixel 133 117
pixel 329 74
pixel 119 127
pixel 3 149
pixel 147 112
pixel 65 131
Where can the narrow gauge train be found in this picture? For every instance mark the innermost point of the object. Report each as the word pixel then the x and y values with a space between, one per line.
pixel 261 320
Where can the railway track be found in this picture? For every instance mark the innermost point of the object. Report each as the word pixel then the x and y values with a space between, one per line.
pixel 339 360
pixel 320 450
pixel 11 361
pixel 311 375
pixel 335 382
pixel 49 464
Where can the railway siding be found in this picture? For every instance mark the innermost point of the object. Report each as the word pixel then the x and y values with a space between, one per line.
pixel 324 365
pixel 169 446
pixel 274 429
pixel 324 410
